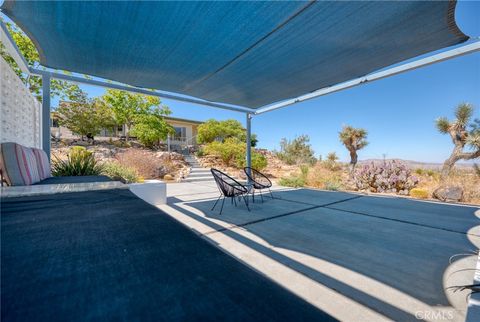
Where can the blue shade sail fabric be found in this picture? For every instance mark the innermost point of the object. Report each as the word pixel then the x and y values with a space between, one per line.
pixel 241 53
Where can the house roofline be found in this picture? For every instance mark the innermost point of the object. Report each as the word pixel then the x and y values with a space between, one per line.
pixel 182 120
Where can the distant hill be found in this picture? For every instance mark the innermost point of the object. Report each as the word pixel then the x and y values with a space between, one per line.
pixel 416 164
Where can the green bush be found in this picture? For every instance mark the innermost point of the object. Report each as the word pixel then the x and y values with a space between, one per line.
pixel 259 161
pixel 200 152
pixel 213 130
pixel 118 172
pixel 79 162
pixel 294 181
pixel 228 151
pixel 296 151
pixel 334 183
pixel 232 152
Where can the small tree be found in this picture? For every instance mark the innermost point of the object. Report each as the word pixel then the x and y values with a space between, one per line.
pixel 354 139
pixel 86 116
pixel 466 142
pixel 63 89
pixel 150 128
pixel 127 107
pixel 296 151
pixel 213 130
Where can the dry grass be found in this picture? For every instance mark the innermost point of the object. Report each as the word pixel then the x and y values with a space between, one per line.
pixel 323 176
pixel 147 164
pixel 467 179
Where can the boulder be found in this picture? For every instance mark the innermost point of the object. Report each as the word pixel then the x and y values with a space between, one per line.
pixel 162 170
pixel 449 193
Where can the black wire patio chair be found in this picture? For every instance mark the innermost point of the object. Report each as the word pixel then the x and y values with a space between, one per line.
pixel 229 188
pixel 259 181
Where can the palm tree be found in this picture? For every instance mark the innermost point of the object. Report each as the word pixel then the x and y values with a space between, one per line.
pixel 461 136
pixel 354 139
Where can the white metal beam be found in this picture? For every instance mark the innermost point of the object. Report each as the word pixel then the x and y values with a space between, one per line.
pixel 249 143
pixel 101 83
pixel 12 49
pixel 452 53
pixel 45 133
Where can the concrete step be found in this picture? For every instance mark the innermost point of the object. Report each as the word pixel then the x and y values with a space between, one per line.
pixel 199 179
pixel 193 171
pixel 199 175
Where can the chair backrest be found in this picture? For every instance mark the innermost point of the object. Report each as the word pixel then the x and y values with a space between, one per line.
pixel 227 185
pixel 259 180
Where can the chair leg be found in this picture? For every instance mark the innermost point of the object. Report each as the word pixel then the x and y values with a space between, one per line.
pixel 221 209
pixel 235 201
pixel 246 202
pixel 271 194
pixel 216 203
pixel 253 195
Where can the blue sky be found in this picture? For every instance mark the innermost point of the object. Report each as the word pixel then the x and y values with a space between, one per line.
pixel 398 112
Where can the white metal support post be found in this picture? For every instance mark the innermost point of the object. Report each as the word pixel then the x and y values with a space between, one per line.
pixel 249 142
pixel 45 134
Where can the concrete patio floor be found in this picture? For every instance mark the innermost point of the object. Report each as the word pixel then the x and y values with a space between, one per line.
pixel 356 257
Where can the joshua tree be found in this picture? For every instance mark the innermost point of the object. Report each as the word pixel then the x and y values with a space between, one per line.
pixel 354 140
pixel 466 142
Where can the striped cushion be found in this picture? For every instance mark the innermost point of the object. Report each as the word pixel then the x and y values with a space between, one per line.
pixel 19 165
pixel 42 163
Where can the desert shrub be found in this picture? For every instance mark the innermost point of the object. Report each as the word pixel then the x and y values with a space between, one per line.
pixel 427 172
pixel 259 161
pixel 293 181
pixel 333 184
pixel 331 162
pixel 146 164
pixel 322 177
pixel 121 144
pixel 79 162
pixel 228 151
pixel 119 172
pixel 296 181
pixel 232 153
pixel 296 151
pixel 391 176
pixel 476 168
pixel 200 153
pixel 419 193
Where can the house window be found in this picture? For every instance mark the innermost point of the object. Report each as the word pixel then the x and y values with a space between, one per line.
pixel 120 128
pixel 180 133
pixel 55 123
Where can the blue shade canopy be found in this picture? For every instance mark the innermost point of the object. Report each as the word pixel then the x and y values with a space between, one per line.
pixel 242 53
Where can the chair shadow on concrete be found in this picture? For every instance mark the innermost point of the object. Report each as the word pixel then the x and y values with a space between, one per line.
pixel 401 243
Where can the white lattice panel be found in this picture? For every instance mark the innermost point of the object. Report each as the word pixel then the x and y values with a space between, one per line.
pixel 19 110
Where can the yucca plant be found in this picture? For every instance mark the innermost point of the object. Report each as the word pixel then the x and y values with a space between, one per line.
pixel 354 139
pixel 466 142
pixel 79 162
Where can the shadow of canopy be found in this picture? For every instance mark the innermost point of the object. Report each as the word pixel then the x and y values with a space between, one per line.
pixel 401 243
